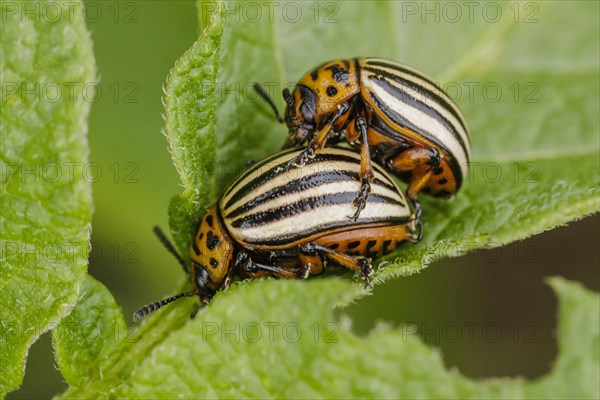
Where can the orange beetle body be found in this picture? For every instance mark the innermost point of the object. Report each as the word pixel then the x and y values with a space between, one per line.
pixel 389 112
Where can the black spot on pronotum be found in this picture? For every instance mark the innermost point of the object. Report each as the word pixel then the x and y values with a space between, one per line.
pixel 212 241
pixel 213 263
pixel 331 91
pixel 200 236
pixel 371 243
pixel 354 244
pixel 334 246
pixel 195 248
pixel 386 244
pixel 314 74
pixel 443 181
pixel 339 73
pixel 438 171
pixel 443 193
pixel 209 220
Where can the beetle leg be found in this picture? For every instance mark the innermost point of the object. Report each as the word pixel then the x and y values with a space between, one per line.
pixel 321 138
pixel 415 159
pixel 319 141
pixel 311 261
pixel 355 263
pixel 251 267
pixel 366 170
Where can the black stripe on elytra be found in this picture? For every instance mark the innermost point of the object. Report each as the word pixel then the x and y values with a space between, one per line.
pixel 338 226
pixel 277 169
pixel 302 206
pixel 303 184
pixel 416 88
pixel 386 130
pixel 421 106
pixel 417 75
pixel 404 122
pixel 258 165
pixel 412 101
pixel 369 62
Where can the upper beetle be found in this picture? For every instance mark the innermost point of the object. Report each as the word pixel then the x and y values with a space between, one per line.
pixel 393 113
pixel 275 221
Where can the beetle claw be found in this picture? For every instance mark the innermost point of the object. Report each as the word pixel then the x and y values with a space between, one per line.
pixel 366 270
pixel 361 199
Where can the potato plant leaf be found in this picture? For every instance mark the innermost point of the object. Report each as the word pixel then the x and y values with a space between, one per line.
pixel 48 74
pixel 533 120
pixel 91 337
pixel 251 344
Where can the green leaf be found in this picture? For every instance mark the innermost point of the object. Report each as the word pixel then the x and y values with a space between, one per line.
pixel 539 141
pixel 46 200
pixel 252 344
pixel 576 371
pixel 92 337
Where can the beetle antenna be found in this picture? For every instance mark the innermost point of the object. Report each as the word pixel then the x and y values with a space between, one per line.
pixel 150 308
pixel 265 96
pixel 287 96
pixel 169 246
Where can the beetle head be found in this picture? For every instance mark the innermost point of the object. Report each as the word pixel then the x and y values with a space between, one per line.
pixel 300 113
pixel 211 254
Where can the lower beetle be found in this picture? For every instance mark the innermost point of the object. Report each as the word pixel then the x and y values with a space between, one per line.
pixel 275 221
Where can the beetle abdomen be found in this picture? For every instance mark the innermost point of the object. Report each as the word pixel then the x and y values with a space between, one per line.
pixel 409 100
pixel 269 206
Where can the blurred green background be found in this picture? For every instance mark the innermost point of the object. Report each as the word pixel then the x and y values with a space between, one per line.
pixel 488 312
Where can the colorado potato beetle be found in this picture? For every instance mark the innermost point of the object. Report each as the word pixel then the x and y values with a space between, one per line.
pixel 389 111
pixel 288 222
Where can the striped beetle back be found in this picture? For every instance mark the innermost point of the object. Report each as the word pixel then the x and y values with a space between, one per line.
pixel 413 101
pixel 269 206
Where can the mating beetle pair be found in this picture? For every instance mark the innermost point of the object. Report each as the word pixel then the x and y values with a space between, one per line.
pixel 287 222
pixel 288 214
